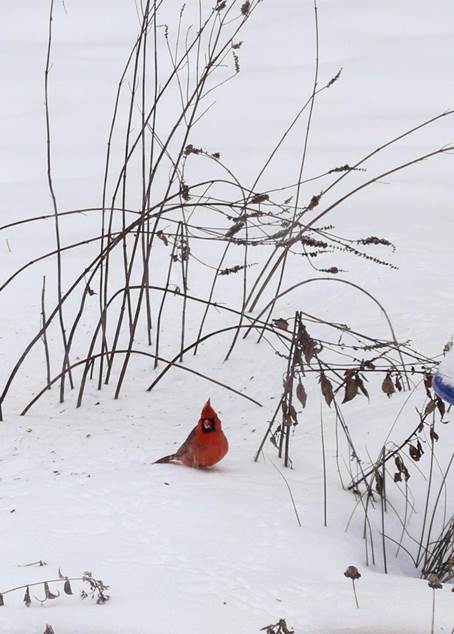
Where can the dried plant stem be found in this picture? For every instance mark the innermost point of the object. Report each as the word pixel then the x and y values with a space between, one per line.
pixel 427 567
pixel 404 523
pixel 40 583
pixel 268 431
pixel 164 295
pixel 383 510
pixel 192 102
pixel 348 283
pixel 54 204
pixel 302 163
pixel 290 493
pixel 43 318
pixel 133 89
pixel 322 434
pixel 432 628
pixel 43 257
pixel 211 294
pixel 354 592
pixel 172 363
pixel 389 455
pixel 191 346
pixel 428 494
pixel 104 264
pixel 318 217
pixel 155 288
pixel 184 280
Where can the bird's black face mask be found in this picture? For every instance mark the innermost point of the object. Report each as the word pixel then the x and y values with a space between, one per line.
pixel 208 424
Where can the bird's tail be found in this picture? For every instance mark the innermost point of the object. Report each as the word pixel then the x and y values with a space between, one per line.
pixel 170 458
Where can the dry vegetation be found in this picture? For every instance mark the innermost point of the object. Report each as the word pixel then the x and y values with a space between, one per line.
pixel 154 210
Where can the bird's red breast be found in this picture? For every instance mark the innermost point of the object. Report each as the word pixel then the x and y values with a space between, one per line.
pixel 206 444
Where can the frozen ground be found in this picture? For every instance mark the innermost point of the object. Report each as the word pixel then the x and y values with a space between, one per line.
pixel 186 551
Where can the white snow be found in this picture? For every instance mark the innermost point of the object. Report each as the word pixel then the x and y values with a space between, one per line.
pixel 220 551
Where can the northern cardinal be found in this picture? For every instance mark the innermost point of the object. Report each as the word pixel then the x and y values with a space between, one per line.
pixel 206 444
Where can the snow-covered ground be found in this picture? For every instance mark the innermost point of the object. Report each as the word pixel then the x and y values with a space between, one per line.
pixel 187 551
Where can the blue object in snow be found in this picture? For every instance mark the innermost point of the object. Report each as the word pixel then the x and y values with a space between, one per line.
pixel 443 388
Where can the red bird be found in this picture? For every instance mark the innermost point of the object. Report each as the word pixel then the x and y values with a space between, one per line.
pixel 206 444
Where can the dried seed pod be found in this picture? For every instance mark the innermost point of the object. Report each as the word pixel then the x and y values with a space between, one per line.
pixel 352 572
pixel 388 386
pixel 379 482
pixel 327 389
pixel 259 198
pixel 301 394
pixel 184 191
pixel 309 345
pixel 280 323
pixel 428 383
pixel 313 202
pixel 414 452
pixel 292 414
pixel 245 8
pixel 190 149
pixel 234 229
pixel 161 235
pixel 27 599
pixel 48 593
pixel 399 462
pixel 401 469
pixel 441 407
pixel 351 386
pixel 67 587
pixel 361 385
pixel 434 581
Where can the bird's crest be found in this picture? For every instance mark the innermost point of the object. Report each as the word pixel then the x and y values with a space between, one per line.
pixel 209 420
pixel 208 411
